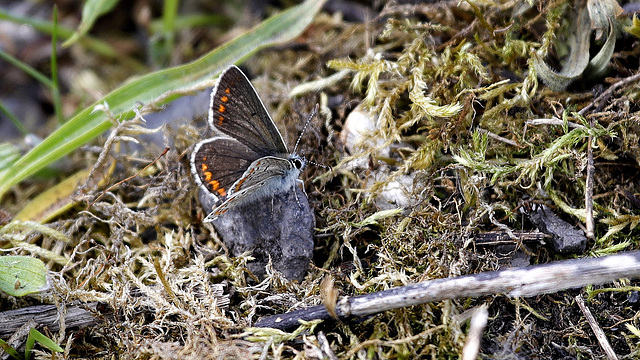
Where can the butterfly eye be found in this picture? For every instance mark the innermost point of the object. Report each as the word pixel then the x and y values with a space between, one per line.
pixel 297 163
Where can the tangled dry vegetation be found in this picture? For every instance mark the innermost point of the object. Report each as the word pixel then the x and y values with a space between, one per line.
pixel 475 111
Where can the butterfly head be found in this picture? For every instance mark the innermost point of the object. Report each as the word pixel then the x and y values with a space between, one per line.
pixel 298 162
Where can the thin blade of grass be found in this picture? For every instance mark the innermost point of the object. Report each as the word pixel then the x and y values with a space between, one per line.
pixel 53 201
pixel 26 68
pixel 98 46
pixel 189 21
pixel 9 350
pixel 169 14
pixel 45 341
pixel 91 11
pixel 57 102
pixel 13 118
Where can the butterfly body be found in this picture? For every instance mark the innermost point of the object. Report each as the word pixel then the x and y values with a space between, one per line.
pixel 247 159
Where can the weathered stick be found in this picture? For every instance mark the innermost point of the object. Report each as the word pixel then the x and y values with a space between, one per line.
pixel 476 328
pixel 597 330
pixel 588 190
pixel 606 94
pixel 47 315
pixel 527 281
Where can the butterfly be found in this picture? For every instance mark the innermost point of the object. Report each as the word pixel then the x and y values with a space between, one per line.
pixel 247 159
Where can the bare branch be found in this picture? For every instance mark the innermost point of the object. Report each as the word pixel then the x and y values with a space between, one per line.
pixel 526 281
pixel 609 92
pixel 602 339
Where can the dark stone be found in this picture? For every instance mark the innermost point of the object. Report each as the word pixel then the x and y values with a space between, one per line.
pixel 280 228
pixel 564 237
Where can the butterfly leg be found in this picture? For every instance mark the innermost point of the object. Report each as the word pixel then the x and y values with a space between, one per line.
pixel 295 193
pixel 299 181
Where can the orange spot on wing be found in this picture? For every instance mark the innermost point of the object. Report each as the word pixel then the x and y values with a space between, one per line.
pixel 222 192
pixel 241 181
pixel 222 108
pixel 219 211
pixel 227 91
pixel 207 176
pixel 204 167
pixel 220 120
pixel 224 99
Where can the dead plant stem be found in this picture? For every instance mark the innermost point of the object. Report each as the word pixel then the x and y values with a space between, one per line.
pixel 525 281
pixel 602 339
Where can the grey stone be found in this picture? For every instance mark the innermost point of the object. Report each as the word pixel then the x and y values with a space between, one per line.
pixel 279 227
pixel 564 237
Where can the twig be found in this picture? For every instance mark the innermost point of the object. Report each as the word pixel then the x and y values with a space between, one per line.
pixel 379 342
pixel 19 337
pixel 552 121
pixel 498 137
pixel 325 346
pixel 129 178
pixel 610 91
pixel 459 35
pixel 47 315
pixel 476 327
pixel 602 339
pixel 526 281
pixel 588 190
pixel 495 238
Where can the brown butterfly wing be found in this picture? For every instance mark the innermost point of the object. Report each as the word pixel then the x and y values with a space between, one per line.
pixel 219 162
pixel 237 111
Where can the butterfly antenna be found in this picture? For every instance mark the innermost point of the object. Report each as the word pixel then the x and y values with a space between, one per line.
pixel 313 113
pixel 320 165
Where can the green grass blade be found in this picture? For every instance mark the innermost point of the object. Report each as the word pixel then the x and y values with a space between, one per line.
pixel 57 102
pixel 28 346
pixel 91 11
pixel 169 14
pixel 51 84
pixel 26 68
pixel 9 350
pixel 162 44
pixel 157 87
pixel 9 153
pixel 98 46
pixel 13 118
pixel 44 341
pixel 189 21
